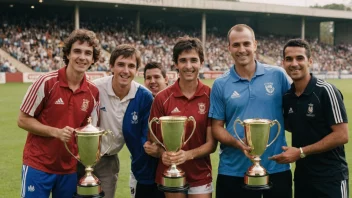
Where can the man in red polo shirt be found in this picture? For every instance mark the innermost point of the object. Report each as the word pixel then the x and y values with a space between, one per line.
pixel 54 105
pixel 188 97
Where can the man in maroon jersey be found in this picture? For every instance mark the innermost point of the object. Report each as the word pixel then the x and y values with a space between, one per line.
pixel 54 105
pixel 188 96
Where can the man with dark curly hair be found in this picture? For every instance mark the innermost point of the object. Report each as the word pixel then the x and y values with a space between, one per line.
pixel 54 105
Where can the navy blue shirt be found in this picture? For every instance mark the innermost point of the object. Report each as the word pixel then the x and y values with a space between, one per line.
pixel 309 117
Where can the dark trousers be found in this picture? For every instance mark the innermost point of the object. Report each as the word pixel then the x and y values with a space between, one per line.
pixel 229 186
pixel 321 189
pixel 148 191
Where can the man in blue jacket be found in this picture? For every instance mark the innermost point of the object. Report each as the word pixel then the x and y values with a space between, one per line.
pixel 124 109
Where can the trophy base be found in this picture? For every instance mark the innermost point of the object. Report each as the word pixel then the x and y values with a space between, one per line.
pixel 173 189
pixel 257 182
pixel 93 191
pixel 259 188
pixel 173 180
pixel 100 195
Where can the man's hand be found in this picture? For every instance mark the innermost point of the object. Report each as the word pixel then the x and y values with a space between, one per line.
pixel 247 154
pixel 64 134
pixel 244 148
pixel 180 157
pixel 289 155
pixel 152 149
pixel 177 158
pixel 166 158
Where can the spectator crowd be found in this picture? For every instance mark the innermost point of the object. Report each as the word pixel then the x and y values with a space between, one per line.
pixel 38 44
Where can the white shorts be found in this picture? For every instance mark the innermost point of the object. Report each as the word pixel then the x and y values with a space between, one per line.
pixel 205 189
pixel 133 184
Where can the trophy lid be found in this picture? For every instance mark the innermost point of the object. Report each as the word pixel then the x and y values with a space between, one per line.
pixel 89 128
pixel 257 121
pixel 173 118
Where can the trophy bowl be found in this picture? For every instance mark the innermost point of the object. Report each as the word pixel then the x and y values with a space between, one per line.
pixel 173 129
pixel 88 140
pixel 256 135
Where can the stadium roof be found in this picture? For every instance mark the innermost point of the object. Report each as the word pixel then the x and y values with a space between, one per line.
pixel 240 8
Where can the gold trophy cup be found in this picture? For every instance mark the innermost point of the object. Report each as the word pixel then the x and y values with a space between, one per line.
pixel 88 139
pixel 173 129
pixel 257 132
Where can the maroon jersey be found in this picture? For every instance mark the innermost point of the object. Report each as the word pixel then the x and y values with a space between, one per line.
pixel 171 102
pixel 52 102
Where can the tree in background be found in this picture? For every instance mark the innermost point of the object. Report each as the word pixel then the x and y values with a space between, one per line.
pixel 327 32
pixel 332 6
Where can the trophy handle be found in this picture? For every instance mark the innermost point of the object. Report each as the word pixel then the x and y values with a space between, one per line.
pixel 278 130
pixel 110 141
pixel 191 118
pixel 77 158
pixel 155 119
pixel 234 129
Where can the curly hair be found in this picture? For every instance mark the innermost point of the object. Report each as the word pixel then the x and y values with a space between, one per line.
pixel 81 35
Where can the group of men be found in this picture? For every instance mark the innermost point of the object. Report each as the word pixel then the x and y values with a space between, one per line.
pixel 310 108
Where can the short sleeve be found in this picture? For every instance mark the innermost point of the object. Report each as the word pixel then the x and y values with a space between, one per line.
pixel 32 102
pixel 217 105
pixel 332 100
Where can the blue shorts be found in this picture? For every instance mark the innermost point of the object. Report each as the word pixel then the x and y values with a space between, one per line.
pixel 39 184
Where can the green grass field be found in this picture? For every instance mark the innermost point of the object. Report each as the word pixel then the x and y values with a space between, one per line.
pixel 13 138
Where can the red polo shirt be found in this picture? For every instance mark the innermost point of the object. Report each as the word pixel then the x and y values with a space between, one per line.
pixel 170 102
pixel 52 102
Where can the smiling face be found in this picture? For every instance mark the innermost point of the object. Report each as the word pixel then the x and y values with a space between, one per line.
pixel 188 64
pixel 242 47
pixel 80 57
pixel 124 69
pixel 154 80
pixel 296 63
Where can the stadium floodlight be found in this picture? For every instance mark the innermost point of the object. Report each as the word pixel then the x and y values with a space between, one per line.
pixel 41 1
pixel 32 6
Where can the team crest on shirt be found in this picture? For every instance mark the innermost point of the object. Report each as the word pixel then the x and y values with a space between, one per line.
pixel 85 105
pixel 201 107
pixel 290 111
pixel 134 118
pixel 269 88
pixel 310 110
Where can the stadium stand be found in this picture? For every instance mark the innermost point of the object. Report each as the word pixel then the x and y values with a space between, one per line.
pixel 37 42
